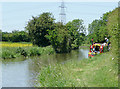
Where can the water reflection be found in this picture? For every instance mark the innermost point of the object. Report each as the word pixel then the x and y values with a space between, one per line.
pixel 15 74
pixel 24 73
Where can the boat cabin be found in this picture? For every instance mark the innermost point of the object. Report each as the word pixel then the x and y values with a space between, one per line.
pixel 95 49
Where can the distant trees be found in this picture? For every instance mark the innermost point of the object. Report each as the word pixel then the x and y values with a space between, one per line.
pixel 37 28
pixel 20 36
pixel 15 36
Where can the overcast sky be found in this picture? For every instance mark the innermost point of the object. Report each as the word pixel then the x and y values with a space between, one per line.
pixel 15 15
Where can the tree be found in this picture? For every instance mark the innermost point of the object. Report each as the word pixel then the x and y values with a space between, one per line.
pixel 38 27
pixel 98 28
pixel 60 38
pixel 75 27
pixel 6 36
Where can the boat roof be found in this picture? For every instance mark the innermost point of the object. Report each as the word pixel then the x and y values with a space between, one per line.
pixel 97 44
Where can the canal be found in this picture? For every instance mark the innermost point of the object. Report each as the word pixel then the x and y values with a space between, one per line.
pixel 24 73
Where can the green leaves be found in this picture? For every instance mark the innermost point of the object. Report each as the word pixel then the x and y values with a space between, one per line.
pixel 38 28
pixel 97 29
pixel 113 29
pixel 59 38
pixel 75 27
pixel 15 36
pixel 43 31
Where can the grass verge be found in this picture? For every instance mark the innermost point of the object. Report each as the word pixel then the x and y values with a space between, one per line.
pixel 100 71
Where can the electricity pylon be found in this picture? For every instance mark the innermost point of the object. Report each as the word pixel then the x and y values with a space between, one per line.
pixel 62 13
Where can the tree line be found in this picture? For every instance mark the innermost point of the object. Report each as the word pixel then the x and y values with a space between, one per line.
pixel 98 29
pixel 42 31
pixel 15 36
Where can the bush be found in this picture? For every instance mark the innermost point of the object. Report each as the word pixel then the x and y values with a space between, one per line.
pixel 35 51
pixel 60 39
pixel 22 51
pixel 9 53
pixel 13 52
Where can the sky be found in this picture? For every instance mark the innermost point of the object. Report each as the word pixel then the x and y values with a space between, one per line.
pixel 15 15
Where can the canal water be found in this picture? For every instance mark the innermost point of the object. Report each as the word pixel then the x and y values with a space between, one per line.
pixel 23 73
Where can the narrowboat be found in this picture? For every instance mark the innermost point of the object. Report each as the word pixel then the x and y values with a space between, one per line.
pixel 97 48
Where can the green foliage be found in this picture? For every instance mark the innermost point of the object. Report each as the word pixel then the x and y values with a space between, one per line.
pixel 98 29
pixel 8 53
pixel 38 27
pixel 113 30
pixel 64 38
pixel 14 52
pixel 75 27
pixel 60 38
pixel 15 36
pixel 34 51
pixel 22 51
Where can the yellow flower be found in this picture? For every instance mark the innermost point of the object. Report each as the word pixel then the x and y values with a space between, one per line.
pixel 7 44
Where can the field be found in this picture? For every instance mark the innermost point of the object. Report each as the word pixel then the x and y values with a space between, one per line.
pixel 9 44
pixel 14 50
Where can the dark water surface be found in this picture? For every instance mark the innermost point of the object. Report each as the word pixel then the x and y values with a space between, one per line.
pixel 23 73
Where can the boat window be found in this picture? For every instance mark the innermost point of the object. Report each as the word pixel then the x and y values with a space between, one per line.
pixel 97 48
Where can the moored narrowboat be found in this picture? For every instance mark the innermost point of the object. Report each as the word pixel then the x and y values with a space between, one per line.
pixel 97 48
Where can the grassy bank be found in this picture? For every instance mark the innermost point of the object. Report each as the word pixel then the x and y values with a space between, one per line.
pixel 100 71
pixel 14 52
pixel 22 49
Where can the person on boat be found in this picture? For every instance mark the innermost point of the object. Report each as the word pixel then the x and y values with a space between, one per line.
pixel 107 42
pixel 93 48
pixel 92 41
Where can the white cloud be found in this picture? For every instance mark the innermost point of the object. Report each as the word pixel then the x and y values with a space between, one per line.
pixel 59 0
